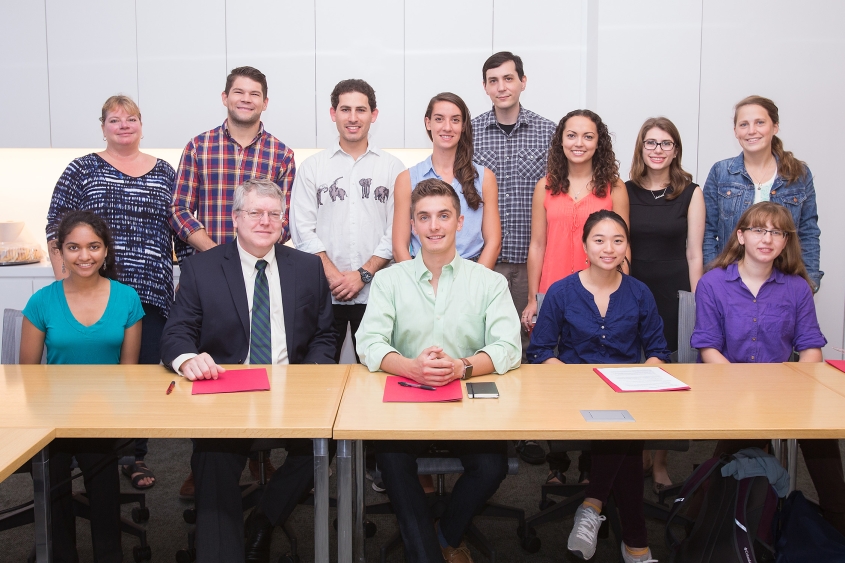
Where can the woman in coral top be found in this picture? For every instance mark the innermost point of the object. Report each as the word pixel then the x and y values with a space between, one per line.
pixel 582 178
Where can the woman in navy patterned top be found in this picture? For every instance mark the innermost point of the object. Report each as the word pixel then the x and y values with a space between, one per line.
pixel 132 191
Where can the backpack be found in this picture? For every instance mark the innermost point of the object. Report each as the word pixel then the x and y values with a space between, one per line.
pixel 804 536
pixel 734 524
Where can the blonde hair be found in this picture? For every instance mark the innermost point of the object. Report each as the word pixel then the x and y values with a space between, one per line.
pixel 120 101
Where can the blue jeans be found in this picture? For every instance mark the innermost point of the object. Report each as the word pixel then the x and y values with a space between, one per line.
pixel 485 467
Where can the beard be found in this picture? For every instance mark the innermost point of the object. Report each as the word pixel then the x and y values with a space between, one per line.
pixel 233 118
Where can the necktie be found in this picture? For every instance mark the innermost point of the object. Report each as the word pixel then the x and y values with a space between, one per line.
pixel 259 339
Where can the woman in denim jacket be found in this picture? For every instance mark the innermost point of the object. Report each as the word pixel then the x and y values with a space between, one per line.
pixel 763 172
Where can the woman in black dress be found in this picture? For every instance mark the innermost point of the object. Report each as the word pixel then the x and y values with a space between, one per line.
pixel 667 234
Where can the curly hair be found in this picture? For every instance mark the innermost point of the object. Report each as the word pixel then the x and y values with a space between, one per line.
pixel 605 165
pixel 465 172
pixel 72 219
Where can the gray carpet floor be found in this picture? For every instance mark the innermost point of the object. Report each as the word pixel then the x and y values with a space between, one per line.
pixel 167 532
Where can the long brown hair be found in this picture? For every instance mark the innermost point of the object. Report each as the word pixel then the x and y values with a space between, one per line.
pixel 465 172
pixel 605 167
pixel 789 168
pixel 679 178
pixel 758 215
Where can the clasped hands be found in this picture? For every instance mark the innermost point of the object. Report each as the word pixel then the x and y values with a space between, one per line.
pixel 435 367
pixel 346 285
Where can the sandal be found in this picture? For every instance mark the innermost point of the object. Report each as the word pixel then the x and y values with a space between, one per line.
pixel 555 478
pixel 136 472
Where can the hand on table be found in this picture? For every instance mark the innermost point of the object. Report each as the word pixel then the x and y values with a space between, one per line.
pixel 201 367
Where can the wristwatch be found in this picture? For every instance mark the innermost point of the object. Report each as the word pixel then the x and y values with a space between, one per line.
pixel 467 369
pixel 366 276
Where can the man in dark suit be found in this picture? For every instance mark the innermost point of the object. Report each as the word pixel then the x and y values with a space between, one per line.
pixel 258 302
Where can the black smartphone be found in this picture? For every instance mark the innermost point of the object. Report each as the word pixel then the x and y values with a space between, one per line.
pixel 485 390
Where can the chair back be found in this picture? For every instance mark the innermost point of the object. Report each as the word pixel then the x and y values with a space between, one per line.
pixel 10 352
pixel 686 323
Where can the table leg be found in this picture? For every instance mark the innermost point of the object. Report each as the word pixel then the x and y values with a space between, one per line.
pixel 777 449
pixel 321 500
pixel 344 501
pixel 792 462
pixel 359 553
pixel 41 488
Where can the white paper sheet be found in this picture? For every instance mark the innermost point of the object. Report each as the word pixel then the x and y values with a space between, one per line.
pixel 644 378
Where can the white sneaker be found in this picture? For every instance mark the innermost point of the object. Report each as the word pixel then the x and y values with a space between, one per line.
pixel 585 532
pixel 628 558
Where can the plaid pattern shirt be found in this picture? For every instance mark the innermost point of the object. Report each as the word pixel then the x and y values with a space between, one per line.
pixel 519 161
pixel 213 164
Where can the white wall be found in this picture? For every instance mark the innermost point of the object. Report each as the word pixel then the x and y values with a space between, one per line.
pixel 690 61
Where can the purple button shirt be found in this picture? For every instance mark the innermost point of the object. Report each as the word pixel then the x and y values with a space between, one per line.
pixel 746 329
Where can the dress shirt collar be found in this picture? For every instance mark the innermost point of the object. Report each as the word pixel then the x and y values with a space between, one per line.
pixel 422 273
pixel 257 136
pixel 732 274
pixel 371 148
pixel 248 260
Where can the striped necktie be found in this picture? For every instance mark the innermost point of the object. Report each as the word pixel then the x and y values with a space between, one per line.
pixel 259 339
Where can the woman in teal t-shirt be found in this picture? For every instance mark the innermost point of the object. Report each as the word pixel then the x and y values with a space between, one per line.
pixel 87 318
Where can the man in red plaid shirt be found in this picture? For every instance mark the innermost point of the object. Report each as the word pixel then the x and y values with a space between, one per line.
pixel 216 162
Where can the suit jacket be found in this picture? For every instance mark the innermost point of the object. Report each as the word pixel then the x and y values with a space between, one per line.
pixel 211 313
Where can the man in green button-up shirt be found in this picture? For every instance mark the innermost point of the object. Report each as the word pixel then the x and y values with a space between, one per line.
pixel 434 319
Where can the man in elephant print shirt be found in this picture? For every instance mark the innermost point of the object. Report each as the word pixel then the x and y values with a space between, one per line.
pixel 342 205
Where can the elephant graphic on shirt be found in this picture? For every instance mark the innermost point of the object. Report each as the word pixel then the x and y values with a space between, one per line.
pixel 381 193
pixel 335 192
pixel 365 187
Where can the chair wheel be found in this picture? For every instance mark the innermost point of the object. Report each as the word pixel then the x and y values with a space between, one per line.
pixel 186 556
pixel 530 541
pixel 288 558
pixel 142 553
pixel 546 503
pixel 140 515
pixel 370 529
pixel 190 515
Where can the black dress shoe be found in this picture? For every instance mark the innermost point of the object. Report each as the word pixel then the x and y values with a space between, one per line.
pixel 259 534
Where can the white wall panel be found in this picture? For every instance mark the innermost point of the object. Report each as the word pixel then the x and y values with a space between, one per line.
pixel 552 60
pixel 446 43
pixel 277 38
pixel 181 68
pixel 23 63
pixel 792 53
pixel 648 65
pixel 374 52
pixel 92 56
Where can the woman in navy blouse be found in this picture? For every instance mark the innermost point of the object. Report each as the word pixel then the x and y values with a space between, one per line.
pixel 132 191
pixel 602 316
pixel 761 280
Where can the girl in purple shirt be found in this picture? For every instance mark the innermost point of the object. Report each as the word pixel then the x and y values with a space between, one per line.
pixel 761 280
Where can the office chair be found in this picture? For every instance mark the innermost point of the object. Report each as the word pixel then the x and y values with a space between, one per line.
pixel 437 463
pixel 10 354
pixel 250 495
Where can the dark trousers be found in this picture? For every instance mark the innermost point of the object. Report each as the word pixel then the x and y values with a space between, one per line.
pixel 558 458
pixel 217 465
pixel 824 464
pixel 152 326
pixel 98 461
pixel 617 466
pixel 347 315
pixel 485 467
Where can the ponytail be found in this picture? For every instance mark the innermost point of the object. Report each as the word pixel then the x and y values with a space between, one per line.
pixel 789 168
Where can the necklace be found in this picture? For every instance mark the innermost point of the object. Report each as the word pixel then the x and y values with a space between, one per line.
pixel 658 196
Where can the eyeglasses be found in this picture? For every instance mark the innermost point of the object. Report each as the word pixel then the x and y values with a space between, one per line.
pixel 761 232
pixel 651 144
pixel 256 215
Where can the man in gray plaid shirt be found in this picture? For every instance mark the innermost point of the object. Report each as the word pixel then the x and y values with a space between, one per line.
pixel 514 143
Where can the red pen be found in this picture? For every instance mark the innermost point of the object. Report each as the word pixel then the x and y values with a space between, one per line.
pixel 170 387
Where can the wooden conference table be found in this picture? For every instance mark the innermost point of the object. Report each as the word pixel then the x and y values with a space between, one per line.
pixel 544 402
pixel 130 401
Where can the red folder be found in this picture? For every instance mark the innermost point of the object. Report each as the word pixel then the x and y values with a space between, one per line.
pixel 233 381
pixel 838 364
pixel 395 393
